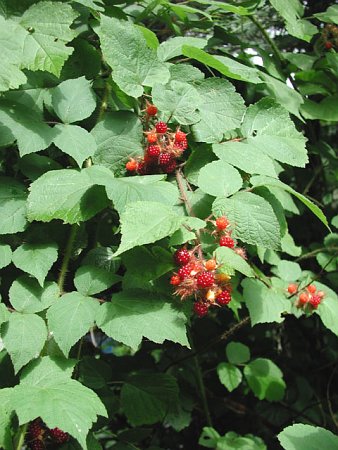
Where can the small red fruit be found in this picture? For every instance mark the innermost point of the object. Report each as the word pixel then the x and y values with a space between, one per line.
pixel 175 280
pixel 315 301
pixel 164 159
pixel 311 288
pixel 142 168
pixel 161 127
pixel 169 168
pixel 205 280
pixel 222 223
pixel 185 271
pixel 200 309
pixel 154 151
pixel 36 429
pixel 226 241
pixel 328 45
pixel 36 445
pixel 180 136
pixel 59 436
pixel 182 256
pixel 131 165
pixel 210 264
pixel 292 288
pixel 223 298
pixel 303 298
pixel 152 138
pixel 151 110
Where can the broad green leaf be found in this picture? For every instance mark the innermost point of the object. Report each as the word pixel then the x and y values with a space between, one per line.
pixel 94 373
pixel 269 128
pixel 252 217
pixel 328 309
pixel 70 318
pixel 24 336
pixel 230 376
pixel 146 398
pixel 73 100
pixel 102 257
pixel 75 141
pixel 93 4
pixel 149 36
pixel 123 191
pixel 4 313
pixel 237 353
pixel 6 441
pixel 264 304
pixel 27 296
pixel 200 156
pixel 265 379
pixel 177 101
pixel 288 271
pixel 118 137
pixel 307 437
pixel 185 72
pixel 36 259
pixel 47 382
pixel 90 280
pixel 145 223
pixel 231 261
pixel 69 195
pixel 324 110
pixel 48 24
pixel 276 206
pixel 221 110
pixel 125 50
pixel 330 15
pixel 241 10
pixel 219 179
pixel 132 315
pixel 34 165
pixel 173 47
pixel 5 255
pixel 288 246
pixel 231 440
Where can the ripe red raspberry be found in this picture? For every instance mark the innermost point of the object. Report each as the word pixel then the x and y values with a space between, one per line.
pixel 210 264
pixel 175 280
pixel 151 110
pixel 223 298
pixel 161 127
pixel 154 150
pixel 303 298
pixel 222 223
pixel 311 288
pixel 315 301
pixel 152 138
pixel 142 168
pixel 36 429
pixel 169 168
pixel 180 136
pixel 59 436
pixel 36 445
pixel 292 288
pixel 131 165
pixel 164 159
pixel 226 241
pixel 205 280
pixel 182 256
pixel 200 309
pixel 328 45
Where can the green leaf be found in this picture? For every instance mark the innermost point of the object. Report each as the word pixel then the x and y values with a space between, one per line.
pixel 264 304
pixel 231 261
pixel 288 271
pixel 147 398
pixel 330 15
pixel 237 353
pixel 36 259
pixel 254 219
pixel 47 382
pixel 73 100
pixel 135 314
pixel 265 379
pixel 328 309
pixel 90 280
pixel 93 4
pixel 173 47
pixel 118 136
pixel 27 296
pixel 5 255
pixel 185 72
pixel 67 194
pixel 177 101
pixel 70 318
pixel 12 206
pixel 306 437
pixel 102 257
pixel 4 313
pixel 324 110
pixel 34 165
pixel 230 376
pixel 6 441
pixel 221 110
pixel 219 179
pixel 145 223
pixel 125 50
pixel 24 336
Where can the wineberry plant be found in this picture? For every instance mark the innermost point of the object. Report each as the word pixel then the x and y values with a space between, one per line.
pixel 168 224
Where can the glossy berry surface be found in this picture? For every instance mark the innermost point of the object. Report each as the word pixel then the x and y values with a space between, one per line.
pixel 311 288
pixel 170 168
pixel 154 151
pixel 36 445
pixel 292 288
pixel 151 110
pixel 223 298
pixel 175 280
pixel 205 280
pixel 59 436
pixel 185 271
pixel 182 256
pixel 328 45
pixel 226 241
pixel 222 223
pixel 161 127
pixel 36 429
pixel 200 309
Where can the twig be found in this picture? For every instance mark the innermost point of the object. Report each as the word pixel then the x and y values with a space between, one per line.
pixel 66 258
pixel 335 421
pixel 315 252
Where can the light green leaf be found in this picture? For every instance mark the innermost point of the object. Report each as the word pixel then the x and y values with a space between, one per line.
pixel 288 271
pixel 147 398
pixel 330 15
pixel 265 379
pixel 173 47
pixel 27 296
pixel 328 309
pixel 24 336
pixel 125 51
pixel 135 314
pixel 5 255
pixel 12 206
pixel 254 219
pixel 230 376
pixel 221 109
pixel 75 141
pixel 231 261
pixel 6 441
pixel 36 259
pixel 185 73
pixel 34 165
pixel 4 313
pixel 90 280
pixel 70 318
pixel 219 179
pixel 146 222
pixel 306 437
pixel 73 100
pixel 325 110
pixel 264 304
pixel 118 136
pixel 47 382
pixel 237 353
pixel 149 36
pixel 93 4
pixel 288 246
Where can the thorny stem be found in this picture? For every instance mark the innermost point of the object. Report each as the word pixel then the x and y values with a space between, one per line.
pixel 315 252
pixel 67 256
pixel 20 437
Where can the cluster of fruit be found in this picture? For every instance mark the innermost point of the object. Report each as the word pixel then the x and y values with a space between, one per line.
pixel 162 147
pixel 202 278
pixel 330 36
pixel 39 435
pixel 307 297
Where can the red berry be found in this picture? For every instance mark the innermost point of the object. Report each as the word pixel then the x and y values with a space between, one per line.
pixel 328 45
pixel 226 241
pixel 180 136
pixel 154 150
pixel 311 288
pixel 36 445
pixel 182 256
pixel 142 168
pixel 303 298
pixel 175 280
pixel 315 301
pixel 205 280
pixel 223 298
pixel 164 159
pixel 222 223
pixel 169 168
pixel 131 165
pixel 184 271
pixel 161 127
pixel 210 264
pixel 152 138
pixel 151 110
pixel 201 309
pixel 36 429
pixel 292 288
pixel 59 436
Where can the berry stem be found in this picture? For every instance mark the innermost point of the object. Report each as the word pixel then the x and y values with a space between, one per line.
pixel 20 437
pixel 66 258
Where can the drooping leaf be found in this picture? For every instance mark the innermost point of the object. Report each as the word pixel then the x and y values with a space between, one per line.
pixel 307 437
pixel 230 376
pixel 265 379
pixel 328 309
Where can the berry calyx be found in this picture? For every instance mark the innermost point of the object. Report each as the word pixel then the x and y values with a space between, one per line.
pixel 175 280
pixel 315 301
pixel 131 165
pixel 205 280
pixel 328 45
pixel 210 264
pixel 200 309
pixel 59 436
pixel 161 127
pixel 222 223
pixel 151 110
pixel 154 151
pixel 223 298
pixel 311 288
pixel 226 241
pixel 180 136
pixel 164 159
pixel 303 298
pixel 292 288
pixel 182 256
pixel 152 138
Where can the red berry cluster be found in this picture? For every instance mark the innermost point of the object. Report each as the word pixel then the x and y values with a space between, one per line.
pixel 38 434
pixel 308 297
pixel 222 230
pixel 162 147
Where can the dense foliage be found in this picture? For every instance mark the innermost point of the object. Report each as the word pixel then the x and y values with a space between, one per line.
pixel 168 218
